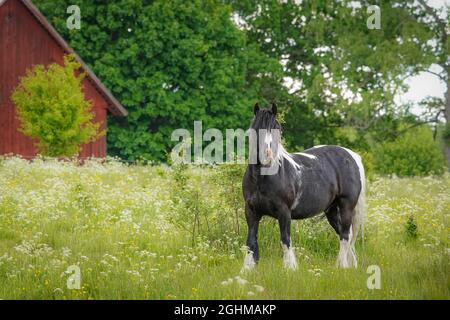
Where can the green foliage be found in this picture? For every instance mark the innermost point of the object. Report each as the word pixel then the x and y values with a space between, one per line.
pixel 207 203
pixel 412 153
pixel 411 228
pixel 186 201
pixel 169 63
pixel 446 134
pixel 368 163
pixel 172 62
pixel 346 74
pixel 228 178
pixel 52 108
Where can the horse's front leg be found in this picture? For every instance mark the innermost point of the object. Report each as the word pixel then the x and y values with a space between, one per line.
pixel 284 220
pixel 252 254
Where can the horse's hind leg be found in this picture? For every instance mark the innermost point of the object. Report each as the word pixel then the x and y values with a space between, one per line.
pixel 346 257
pixel 334 218
pixel 252 254
pixel 284 220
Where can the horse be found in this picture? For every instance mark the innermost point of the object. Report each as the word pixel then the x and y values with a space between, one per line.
pixel 323 179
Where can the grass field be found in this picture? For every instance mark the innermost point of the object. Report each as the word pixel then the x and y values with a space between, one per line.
pixel 150 232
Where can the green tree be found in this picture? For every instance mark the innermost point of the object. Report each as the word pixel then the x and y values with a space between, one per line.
pixel 413 153
pixel 169 63
pixel 439 44
pixel 52 108
pixel 173 62
pixel 345 75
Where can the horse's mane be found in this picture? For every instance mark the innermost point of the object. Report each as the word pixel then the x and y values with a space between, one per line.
pixel 265 119
pixel 283 154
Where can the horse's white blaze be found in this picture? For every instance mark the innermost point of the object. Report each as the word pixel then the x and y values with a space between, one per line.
pixel 311 156
pixel 249 261
pixel 289 257
pixel 268 139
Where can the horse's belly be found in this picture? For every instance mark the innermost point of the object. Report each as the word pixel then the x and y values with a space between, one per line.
pixel 304 213
pixel 310 206
pixel 260 205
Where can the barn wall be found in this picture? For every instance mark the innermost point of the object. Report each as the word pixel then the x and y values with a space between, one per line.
pixel 24 43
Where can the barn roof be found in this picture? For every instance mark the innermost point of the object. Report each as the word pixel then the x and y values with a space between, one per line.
pixel 114 106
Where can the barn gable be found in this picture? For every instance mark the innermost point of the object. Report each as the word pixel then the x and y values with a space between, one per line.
pixel 27 39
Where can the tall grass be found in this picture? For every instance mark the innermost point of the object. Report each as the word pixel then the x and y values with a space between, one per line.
pixel 154 232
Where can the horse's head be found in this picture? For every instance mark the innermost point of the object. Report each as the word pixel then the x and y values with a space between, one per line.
pixel 268 133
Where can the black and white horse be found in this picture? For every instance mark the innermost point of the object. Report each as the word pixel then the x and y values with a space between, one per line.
pixel 326 179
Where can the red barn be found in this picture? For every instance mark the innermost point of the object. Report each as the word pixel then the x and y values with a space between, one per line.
pixel 27 39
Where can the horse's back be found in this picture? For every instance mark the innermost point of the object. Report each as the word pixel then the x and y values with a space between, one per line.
pixel 340 156
pixel 328 172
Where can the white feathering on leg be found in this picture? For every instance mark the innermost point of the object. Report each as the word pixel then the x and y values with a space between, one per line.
pixel 343 255
pixel 351 255
pixel 289 257
pixel 249 261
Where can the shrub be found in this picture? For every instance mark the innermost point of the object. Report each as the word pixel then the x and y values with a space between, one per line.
pixel 368 162
pixel 411 228
pixel 52 109
pixel 446 134
pixel 190 207
pixel 414 153
pixel 228 178
pixel 207 203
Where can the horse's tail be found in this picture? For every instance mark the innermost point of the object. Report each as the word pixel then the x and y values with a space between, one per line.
pixel 360 208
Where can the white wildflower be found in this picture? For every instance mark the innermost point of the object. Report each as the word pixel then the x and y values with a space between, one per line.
pixel 259 288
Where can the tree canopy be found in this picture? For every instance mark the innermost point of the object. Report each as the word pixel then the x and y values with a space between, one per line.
pixel 173 62
pixel 169 63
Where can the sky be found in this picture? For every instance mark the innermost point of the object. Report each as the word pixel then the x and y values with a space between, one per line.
pixel 424 84
pixel 420 86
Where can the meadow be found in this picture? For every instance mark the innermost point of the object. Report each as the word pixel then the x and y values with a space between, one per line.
pixel 155 232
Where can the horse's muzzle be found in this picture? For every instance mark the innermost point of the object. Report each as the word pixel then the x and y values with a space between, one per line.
pixel 268 161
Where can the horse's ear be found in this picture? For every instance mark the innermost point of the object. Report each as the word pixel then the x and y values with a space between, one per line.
pixel 256 108
pixel 274 108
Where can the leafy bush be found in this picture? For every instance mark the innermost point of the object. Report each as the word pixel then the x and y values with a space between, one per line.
pixel 52 109
pixel 228 179
pixel 411 228
pixel 414 153
pixel 207 202
pixel 446 133
pixel 368 162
